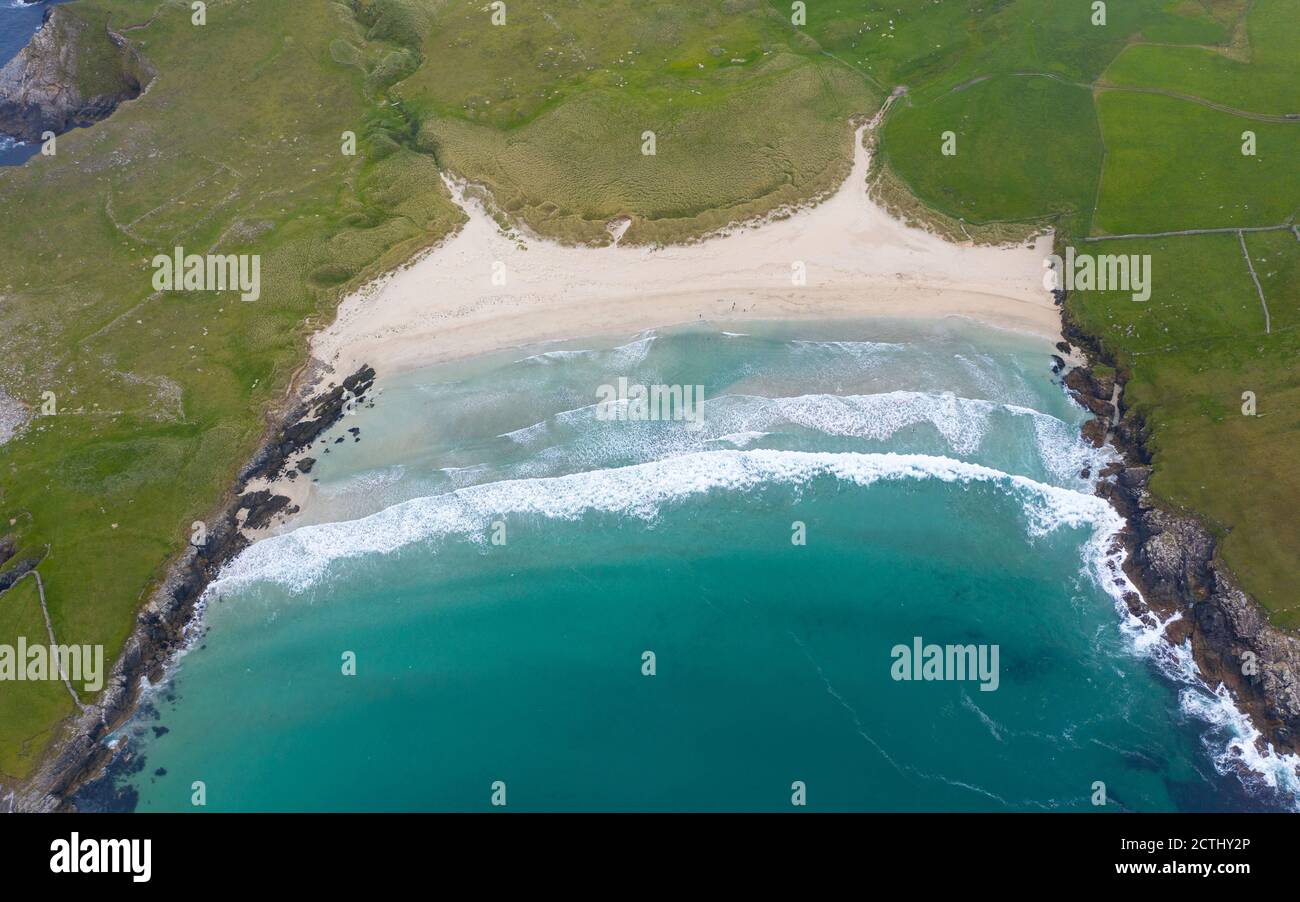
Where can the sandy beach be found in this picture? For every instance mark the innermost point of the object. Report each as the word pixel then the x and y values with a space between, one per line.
pixel 857 260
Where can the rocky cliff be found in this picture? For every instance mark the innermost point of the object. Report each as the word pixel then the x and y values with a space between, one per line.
pixel 1172 560
pixel 74 72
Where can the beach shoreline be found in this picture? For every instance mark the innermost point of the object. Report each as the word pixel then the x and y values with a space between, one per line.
pixel 485 289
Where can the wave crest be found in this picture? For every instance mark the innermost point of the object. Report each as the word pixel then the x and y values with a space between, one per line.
pixel 298 559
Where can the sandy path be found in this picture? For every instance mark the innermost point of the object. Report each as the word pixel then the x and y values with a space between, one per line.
pixel 860 262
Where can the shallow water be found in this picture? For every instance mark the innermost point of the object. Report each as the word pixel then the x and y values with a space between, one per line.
pixel 500 559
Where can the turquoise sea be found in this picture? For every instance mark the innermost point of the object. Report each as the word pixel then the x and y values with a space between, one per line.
pixel 505 565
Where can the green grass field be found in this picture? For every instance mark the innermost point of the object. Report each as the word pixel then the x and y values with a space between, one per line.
pixel 1258 77
pixel 1202 179
pixel 1009 164
pixel 236 148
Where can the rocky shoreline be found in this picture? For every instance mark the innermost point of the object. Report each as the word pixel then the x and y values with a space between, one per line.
pixel 79 775
pixel 72 73
pixel 1172 560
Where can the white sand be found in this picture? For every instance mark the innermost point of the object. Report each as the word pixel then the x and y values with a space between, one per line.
pixel 860 262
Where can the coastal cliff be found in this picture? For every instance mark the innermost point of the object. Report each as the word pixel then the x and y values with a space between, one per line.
pixel 74 72
pixel 1172 559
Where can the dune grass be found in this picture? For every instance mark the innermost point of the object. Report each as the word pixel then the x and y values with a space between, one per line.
pixel 549 111
pixel 715 161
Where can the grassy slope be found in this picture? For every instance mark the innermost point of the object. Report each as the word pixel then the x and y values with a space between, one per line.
pixel 101 64
pixel 1012 79
pixel 1003 125
pixel 28 710
pixel 549 111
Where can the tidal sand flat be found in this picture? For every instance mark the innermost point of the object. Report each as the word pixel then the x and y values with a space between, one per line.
pixel 500 595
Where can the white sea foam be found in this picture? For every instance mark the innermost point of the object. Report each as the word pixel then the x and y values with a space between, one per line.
pixel 300 558
pixel 1232 741
pixel 528 434
pixel 742 439
pixel 625 355
pixel 858 349
pixel 1241 747
pixel 366 482
pixel 962 423
pixel 553 356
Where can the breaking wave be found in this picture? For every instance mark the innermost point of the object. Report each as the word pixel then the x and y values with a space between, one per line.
pixel 962 423
pixel 299 559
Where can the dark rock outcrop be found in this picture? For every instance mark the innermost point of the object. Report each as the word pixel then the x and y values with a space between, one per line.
pixel 262 507
pixel 74 72
pixel 310 421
